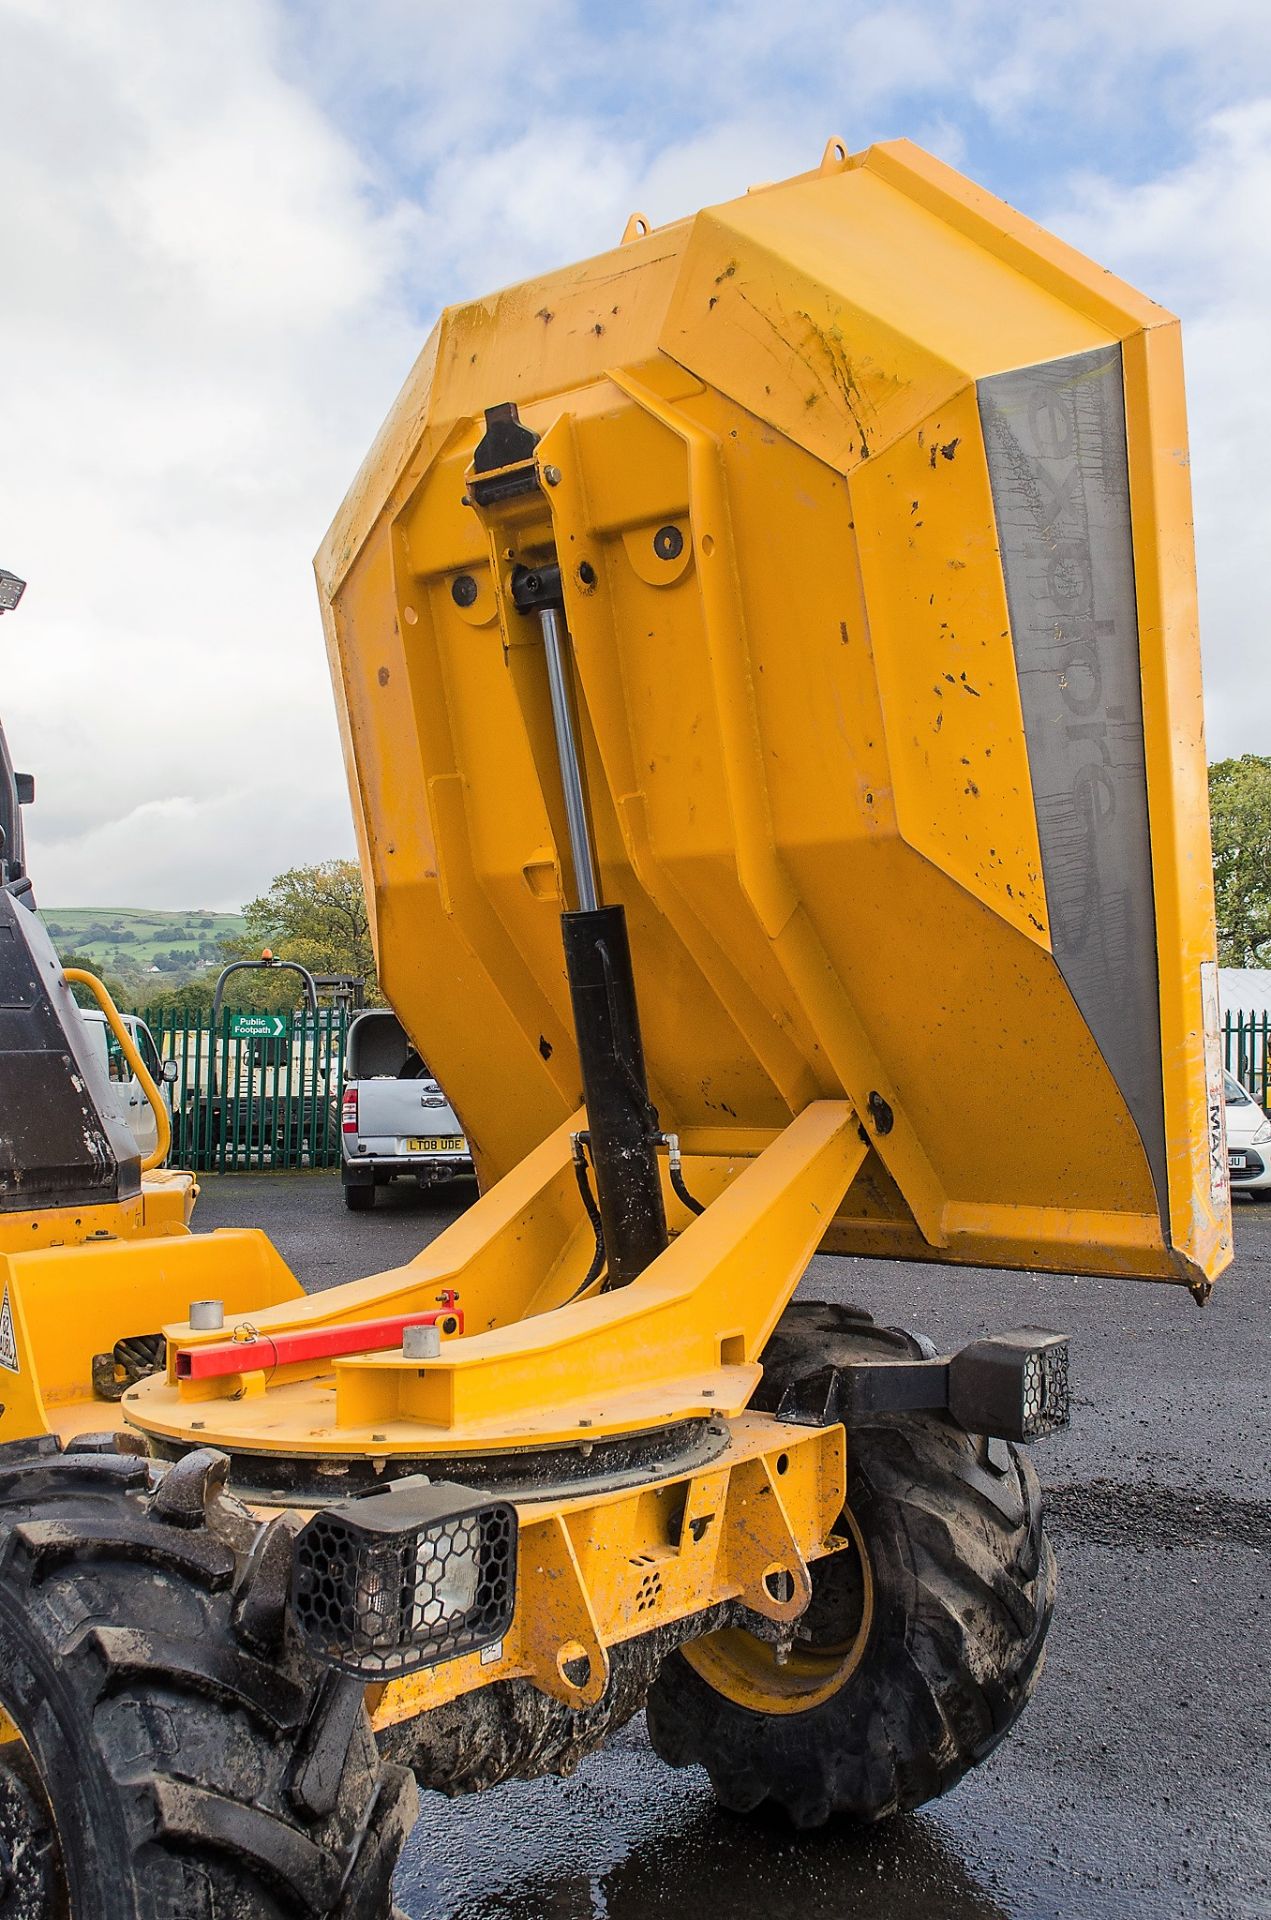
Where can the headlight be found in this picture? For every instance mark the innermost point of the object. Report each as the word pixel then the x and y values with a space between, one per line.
pixel 1263 1134
pixel 1014 1385
pixel 415 1573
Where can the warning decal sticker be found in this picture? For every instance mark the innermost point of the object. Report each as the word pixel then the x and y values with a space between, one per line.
pixel 8 1339
pixel 1218 1178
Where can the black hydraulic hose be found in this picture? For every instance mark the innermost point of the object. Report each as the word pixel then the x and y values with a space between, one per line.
pixel 581 1142
pixel 682 1192
pixel 671 1141
pixel 583 1178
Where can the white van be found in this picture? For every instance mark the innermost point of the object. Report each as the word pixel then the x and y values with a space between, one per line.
pixel 137 1109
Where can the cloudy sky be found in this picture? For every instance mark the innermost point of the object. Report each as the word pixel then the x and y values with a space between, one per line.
pixel 226 229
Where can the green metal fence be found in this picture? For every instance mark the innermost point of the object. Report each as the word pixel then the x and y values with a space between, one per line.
pixel 258 1092
pixel 1246 1041
pixel 264 1091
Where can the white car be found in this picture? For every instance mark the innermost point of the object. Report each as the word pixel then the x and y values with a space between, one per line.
pixel 137 1109
pixel 1248 1142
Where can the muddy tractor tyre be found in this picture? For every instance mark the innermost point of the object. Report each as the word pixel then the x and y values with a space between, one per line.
pixel 922 1641
pixel 181 1757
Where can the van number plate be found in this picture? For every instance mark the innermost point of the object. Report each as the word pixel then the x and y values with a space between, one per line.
pixel 438 1143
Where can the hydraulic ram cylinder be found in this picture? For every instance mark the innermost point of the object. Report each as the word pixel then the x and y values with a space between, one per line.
pixel 620 1117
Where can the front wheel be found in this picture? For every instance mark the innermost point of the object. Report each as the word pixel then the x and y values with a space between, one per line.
pixel 924 1636
pixel 169 1751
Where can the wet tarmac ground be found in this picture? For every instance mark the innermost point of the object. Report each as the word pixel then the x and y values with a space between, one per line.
pixel 1138 1782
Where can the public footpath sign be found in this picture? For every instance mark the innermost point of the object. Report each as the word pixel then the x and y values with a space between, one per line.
pixel 258 1026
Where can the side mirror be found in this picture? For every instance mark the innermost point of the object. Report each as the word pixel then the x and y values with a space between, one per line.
pixel 169 1072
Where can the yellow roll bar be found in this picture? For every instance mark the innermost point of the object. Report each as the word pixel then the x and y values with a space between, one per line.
pixel 77 977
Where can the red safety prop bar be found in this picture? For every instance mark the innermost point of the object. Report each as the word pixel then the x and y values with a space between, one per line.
pixel 253 1352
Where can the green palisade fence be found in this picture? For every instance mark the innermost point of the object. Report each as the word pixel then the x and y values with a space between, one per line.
pixel 246 1102
pixel 1246 1039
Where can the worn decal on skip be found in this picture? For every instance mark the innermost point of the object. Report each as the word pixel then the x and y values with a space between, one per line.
pixel 8 1338
pixel 1215 1097
pixel 1055 439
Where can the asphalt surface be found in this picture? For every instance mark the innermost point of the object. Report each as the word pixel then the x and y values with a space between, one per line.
pixel 1138 1782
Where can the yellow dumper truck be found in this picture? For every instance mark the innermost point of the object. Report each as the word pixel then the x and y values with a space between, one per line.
pixel 766 656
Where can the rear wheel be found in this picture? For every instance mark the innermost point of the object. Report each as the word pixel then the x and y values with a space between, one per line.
pixel 179 1756
pixel 923 1638
pixel 359 1199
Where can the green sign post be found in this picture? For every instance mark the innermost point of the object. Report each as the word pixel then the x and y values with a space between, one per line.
pixel 258 1026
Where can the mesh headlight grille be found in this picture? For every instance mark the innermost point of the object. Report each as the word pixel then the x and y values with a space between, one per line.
pixel 1047 1406
pixel 1013 1384
pixel 403 1578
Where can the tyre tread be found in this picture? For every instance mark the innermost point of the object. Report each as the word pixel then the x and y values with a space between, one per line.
pixel 967 1580
pixel 182 1735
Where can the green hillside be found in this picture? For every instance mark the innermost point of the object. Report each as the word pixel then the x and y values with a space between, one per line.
pixel 142 944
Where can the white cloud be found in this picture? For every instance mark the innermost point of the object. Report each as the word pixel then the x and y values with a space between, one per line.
pixel 218 847
pixel 226 230
pixel 204 334
pixel 1198 239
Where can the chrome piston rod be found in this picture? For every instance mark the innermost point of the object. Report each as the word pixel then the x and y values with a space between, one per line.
pixel 555 640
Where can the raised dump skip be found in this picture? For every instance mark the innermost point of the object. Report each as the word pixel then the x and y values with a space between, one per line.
pixel 871 507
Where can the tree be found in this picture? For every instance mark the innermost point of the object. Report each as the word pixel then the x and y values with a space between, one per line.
pixel 1240 821
pixel 118 989
pixel 316 915
pixel 194 997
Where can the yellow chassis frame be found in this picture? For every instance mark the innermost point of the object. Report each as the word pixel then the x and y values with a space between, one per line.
pixel 682 1342
pixel 599 1569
